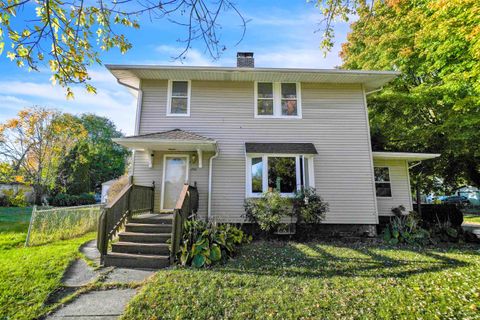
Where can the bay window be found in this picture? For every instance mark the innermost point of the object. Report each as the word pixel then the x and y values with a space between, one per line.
pixel 282 173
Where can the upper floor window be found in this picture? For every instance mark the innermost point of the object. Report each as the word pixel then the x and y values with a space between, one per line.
pixel 178 98
pixel 277 100
pixel 383 186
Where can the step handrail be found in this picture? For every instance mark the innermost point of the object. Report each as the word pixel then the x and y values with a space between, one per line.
pixel 133 199
pixel 186 207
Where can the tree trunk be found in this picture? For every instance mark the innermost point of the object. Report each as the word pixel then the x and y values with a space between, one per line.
pixel 419 200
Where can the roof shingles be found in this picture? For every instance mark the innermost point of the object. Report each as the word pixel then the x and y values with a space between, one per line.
pixel 175 134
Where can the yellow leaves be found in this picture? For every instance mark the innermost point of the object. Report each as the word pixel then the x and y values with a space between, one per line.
pixel 70 95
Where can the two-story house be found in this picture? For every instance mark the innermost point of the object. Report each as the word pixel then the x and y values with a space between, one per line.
pixel 225 128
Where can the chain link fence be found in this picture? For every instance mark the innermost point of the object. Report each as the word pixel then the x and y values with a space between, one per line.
pixel 48 225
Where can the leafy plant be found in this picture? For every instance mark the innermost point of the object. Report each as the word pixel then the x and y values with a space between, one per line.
pixel 308 206
pixel 68 200
pixel 268 210
pixel 10 198
pixel 405 228
pixel 204 244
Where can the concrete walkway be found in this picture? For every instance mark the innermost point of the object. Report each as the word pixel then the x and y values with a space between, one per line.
pixel 97 304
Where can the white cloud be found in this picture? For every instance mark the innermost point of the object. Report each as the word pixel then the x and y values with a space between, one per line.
pixel 111 101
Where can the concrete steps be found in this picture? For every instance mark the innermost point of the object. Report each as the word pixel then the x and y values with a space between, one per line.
pixel 143 244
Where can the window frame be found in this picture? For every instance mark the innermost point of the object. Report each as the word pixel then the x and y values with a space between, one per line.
pixel 389 182
pixel 277 101
pixel 265 156
pixel 170 96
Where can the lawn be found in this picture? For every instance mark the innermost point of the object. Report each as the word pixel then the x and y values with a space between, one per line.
pixel 29 275
pixel 320 281
pixel 471 218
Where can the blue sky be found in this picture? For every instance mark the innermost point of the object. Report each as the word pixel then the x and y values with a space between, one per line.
pixel 280 33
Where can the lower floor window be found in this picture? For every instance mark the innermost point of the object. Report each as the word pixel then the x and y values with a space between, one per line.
pixel 383 187
pixel 280 173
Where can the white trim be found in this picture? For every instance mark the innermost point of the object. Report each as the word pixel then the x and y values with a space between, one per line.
pixel 389 182
pixel 210 176
pixel 409 156
pixel 165 156
pixel 138 115
pixel 277 101
pixel 169 98
pixel 370 152
pixel 409 186
pixel 265 156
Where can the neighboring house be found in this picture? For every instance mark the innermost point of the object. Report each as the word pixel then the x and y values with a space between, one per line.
pixel 105 187
pixel 15 188
pixel 239 131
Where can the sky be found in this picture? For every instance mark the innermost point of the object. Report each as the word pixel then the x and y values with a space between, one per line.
pixel 281 33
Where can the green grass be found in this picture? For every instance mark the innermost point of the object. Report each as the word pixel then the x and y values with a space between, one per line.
pixel 320 281
pixel 29 275
pixel 471 218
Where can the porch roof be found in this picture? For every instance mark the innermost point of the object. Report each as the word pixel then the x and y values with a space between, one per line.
pixel 172 140
pixel 409 156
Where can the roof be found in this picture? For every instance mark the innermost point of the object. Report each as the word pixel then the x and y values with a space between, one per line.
pixel 175 134
pixel 172 140
pixel 409 156
pixel 130 75
pixel 289 148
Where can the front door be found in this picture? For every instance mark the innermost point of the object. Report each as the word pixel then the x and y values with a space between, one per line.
pixel 175 175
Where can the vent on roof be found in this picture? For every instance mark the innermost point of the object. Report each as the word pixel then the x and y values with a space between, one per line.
pixel 245 60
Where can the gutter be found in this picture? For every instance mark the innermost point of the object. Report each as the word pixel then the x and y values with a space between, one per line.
pixel 210 173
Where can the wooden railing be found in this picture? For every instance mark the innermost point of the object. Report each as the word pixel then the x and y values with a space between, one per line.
pixel 186 207
pixel 133 199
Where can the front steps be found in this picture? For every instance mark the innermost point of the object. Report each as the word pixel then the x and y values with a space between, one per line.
pixel 143 244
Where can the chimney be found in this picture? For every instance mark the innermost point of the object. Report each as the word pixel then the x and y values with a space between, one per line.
pixel 245 60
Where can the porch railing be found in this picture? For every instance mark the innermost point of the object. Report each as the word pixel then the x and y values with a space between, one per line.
pixel 133 199
pixel 186 207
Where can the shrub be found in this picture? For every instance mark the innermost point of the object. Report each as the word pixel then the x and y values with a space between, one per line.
pixel 308 206
pixel 68 200
pixel 204 244
pixel 433 214
pixel 116 188
pixel 268 210
pixel 405 228
pixel 10 198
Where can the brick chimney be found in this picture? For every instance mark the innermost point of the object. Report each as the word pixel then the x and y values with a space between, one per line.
pixel 245 60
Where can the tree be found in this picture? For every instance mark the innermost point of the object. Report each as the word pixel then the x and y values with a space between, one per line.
pixel 34 144
pixel 69 36
pixel 94 159
pixel 434 106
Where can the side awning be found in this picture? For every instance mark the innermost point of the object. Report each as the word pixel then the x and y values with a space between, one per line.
pixel 409 156
pixel 280 148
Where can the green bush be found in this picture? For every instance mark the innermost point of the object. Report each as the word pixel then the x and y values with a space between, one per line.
pixel 204 244
pixel 10 198
pixel 268 210
pixel 68 200
pixel 405 228
pixel 308 206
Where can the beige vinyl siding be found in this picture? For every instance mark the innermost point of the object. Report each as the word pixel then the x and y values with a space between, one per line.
pixel 400 186
pixel 144 175
pixel 333 119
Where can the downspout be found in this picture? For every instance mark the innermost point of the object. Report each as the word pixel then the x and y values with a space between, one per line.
pixel 373 91
pixel 210 173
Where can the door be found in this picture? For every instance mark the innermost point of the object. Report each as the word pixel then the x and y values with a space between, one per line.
pixel 175 175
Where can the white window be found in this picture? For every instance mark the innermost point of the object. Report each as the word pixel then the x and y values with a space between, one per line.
pixel 278 100
pixel 178 98
pixel 284 173
pixel 383 185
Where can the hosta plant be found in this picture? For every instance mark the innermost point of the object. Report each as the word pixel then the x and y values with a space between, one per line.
pixel 204 244
pixel 404 228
